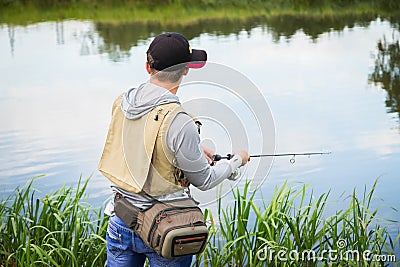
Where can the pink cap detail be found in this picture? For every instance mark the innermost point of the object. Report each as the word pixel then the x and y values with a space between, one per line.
pixel 196 65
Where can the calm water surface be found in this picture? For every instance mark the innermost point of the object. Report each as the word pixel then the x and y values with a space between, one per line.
pixel 58 81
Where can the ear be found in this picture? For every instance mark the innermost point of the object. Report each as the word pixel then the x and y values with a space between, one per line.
pixel 186 71
pixel 147 66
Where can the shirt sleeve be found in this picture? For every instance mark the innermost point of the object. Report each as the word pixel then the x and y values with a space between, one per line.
pixel 184 141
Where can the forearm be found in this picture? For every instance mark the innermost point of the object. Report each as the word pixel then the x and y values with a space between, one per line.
pixel 184 141
pixel 214 175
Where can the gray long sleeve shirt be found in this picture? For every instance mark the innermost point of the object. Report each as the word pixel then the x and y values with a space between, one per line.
pixel 182 139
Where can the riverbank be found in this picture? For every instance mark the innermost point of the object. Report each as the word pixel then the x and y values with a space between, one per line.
pixel 182 13
pixel 63 229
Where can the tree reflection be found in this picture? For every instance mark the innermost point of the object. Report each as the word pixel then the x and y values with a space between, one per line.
pixel 387 71
pixel 288 25
pixel 121 37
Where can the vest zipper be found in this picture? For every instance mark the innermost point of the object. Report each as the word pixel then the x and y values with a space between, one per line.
pixel 158 112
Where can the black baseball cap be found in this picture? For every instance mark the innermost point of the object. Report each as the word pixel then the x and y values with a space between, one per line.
pixel 170 49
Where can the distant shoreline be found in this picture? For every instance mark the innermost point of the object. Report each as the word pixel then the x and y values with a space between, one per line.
pixel 175 13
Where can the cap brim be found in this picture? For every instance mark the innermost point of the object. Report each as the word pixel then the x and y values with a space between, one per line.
pixel 198 59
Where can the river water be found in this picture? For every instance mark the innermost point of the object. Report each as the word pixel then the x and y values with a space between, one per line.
pixel 329 85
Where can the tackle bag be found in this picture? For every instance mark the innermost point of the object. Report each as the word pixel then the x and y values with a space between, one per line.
pixel 173 229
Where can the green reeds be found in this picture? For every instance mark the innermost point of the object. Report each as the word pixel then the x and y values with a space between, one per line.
pixel 292 228
pixel 59 229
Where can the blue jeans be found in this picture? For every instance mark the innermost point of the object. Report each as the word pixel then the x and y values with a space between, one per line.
pixel 126 249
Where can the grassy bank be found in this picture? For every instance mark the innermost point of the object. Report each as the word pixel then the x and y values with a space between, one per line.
pixel 62 229
pixel 182 12
pixel 58 229
pixel 293 228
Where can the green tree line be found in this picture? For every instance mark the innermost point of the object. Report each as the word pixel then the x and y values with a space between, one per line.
pixel 296 4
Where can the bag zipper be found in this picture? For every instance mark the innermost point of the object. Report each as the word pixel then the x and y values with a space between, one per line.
pixel 186 240
pixel 181 226
pixel 160 217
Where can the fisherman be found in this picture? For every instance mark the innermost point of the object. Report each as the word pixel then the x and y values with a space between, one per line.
pixel 153 149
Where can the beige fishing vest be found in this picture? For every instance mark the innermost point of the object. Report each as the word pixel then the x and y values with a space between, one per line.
pixel 136 156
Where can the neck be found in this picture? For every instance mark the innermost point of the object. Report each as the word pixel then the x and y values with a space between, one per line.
pixel 172 87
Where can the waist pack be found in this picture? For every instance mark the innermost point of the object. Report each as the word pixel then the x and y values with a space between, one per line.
pixel 173 229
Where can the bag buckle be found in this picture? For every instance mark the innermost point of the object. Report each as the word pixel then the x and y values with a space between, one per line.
pixel 159 218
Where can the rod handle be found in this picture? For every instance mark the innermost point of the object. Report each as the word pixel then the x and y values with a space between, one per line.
pixel 218 157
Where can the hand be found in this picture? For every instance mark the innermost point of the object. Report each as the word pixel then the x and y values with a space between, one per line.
pixel 235 175
pixel 244 155
pixel 208 153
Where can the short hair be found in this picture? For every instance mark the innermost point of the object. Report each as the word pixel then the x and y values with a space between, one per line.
pixel 168 75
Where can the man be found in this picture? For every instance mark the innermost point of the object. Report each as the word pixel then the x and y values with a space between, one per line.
pixel 153 149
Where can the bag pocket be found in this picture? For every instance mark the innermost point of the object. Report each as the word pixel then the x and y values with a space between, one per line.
pixel 128 213
pixel 184 241
pixel 178 231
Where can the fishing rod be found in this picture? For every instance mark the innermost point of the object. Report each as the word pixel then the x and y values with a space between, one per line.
pixel 218 157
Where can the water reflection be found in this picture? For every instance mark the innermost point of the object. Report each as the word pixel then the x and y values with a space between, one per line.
pixel 120 38
pixel 288 25
pixel 387 71
pixel 60 32
pixel 57 89
pixel 11 38
pixel 117 39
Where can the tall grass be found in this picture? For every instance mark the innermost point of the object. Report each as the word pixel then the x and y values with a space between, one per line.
pixel 62 229
pixel 59 229
pixel 292 228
